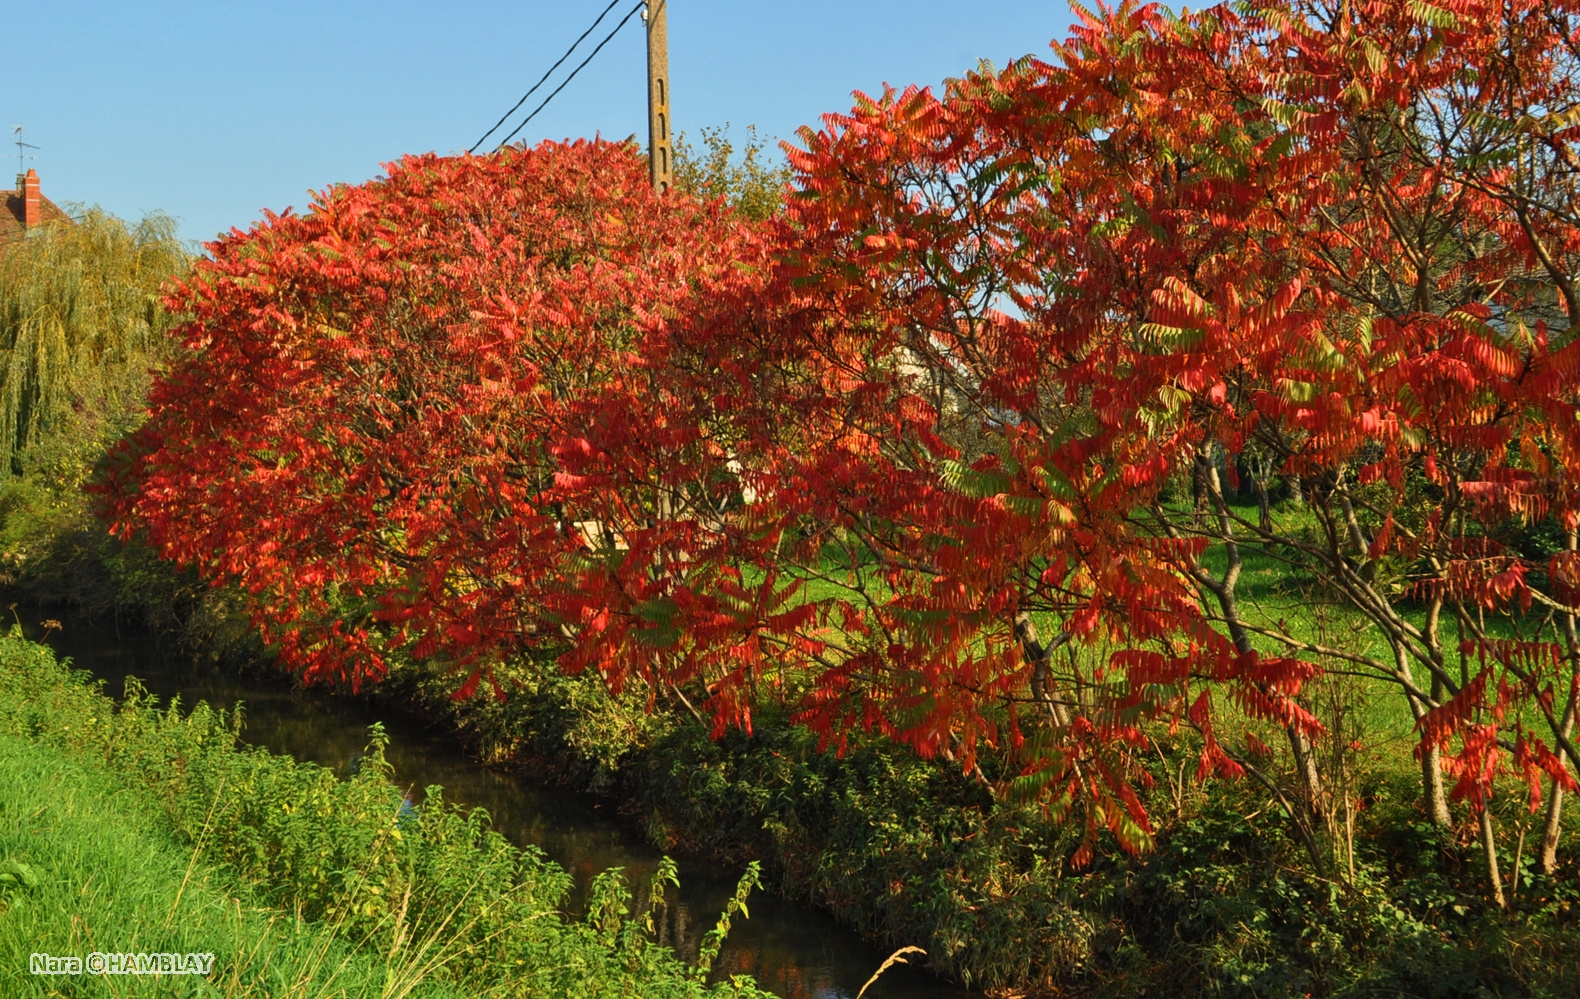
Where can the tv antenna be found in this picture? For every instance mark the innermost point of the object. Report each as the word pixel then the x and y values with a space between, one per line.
pixel 21 150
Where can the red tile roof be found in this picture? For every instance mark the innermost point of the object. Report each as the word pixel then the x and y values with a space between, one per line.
pixel 11 224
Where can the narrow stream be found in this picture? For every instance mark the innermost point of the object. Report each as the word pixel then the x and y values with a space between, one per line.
pixel 796 951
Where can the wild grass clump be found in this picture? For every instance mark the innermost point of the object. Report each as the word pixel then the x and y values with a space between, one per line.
pixel 432 889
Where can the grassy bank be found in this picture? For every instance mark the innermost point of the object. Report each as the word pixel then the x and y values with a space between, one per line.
pixel 91 869
pixel 141 828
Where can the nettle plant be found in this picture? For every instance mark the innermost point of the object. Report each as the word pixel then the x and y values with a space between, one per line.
pixel 955 447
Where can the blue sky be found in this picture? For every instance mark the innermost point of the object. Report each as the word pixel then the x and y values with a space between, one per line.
pixel 212 111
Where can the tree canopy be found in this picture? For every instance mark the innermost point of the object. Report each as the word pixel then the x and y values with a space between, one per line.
pixel 80 322
pixel 952 441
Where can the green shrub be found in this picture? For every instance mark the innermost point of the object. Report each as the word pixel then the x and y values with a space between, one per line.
pixel 753 183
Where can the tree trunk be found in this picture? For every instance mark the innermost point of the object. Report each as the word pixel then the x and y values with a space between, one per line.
pixel 1552 828
pixel 1433 798
pixel 1037 654
pixel 1307 774
pixel 1434 802
pixel 1264 508
pixel 1489 847
pixel 1198 483
pixel 1547 860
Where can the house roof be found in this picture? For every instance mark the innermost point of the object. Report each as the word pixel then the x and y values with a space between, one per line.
pixel 12 227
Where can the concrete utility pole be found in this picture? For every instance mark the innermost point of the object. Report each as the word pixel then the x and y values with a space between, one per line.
pixel 658 152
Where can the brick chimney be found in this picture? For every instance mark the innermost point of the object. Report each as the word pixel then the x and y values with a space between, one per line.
pixel 28 187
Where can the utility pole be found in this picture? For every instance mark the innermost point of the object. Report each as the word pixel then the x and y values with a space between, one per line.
pixel 658 151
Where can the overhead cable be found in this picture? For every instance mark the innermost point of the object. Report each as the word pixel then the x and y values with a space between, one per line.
pixel 629 14
pixel 558 62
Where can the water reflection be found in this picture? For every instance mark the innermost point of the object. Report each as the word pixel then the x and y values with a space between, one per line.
pixel 796 951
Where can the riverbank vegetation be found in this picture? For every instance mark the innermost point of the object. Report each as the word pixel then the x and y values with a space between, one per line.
pixel 90 870
pixel 1113 525
pixel 137 827
pixel 912 851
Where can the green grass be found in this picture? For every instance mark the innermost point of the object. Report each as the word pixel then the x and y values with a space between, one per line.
pixel 1272 593
pixel 141 827
pixel 98 873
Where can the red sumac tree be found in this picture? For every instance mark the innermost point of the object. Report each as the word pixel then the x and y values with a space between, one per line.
pixel 471 407
pixel 1324 248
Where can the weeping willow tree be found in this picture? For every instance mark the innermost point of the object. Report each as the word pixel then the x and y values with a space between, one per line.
pixel 80 327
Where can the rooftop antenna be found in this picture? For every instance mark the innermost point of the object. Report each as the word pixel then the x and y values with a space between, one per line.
pixel 21 150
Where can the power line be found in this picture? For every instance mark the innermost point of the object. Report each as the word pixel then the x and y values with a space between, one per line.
pixel 629 14
pixel 550 73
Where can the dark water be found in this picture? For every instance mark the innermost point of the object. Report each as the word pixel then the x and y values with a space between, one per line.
pixel 794 950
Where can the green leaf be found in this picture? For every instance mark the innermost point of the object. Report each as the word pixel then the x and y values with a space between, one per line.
pixel 1432 17
pixel 15 875
pixel 975 483
pixel 1169 337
